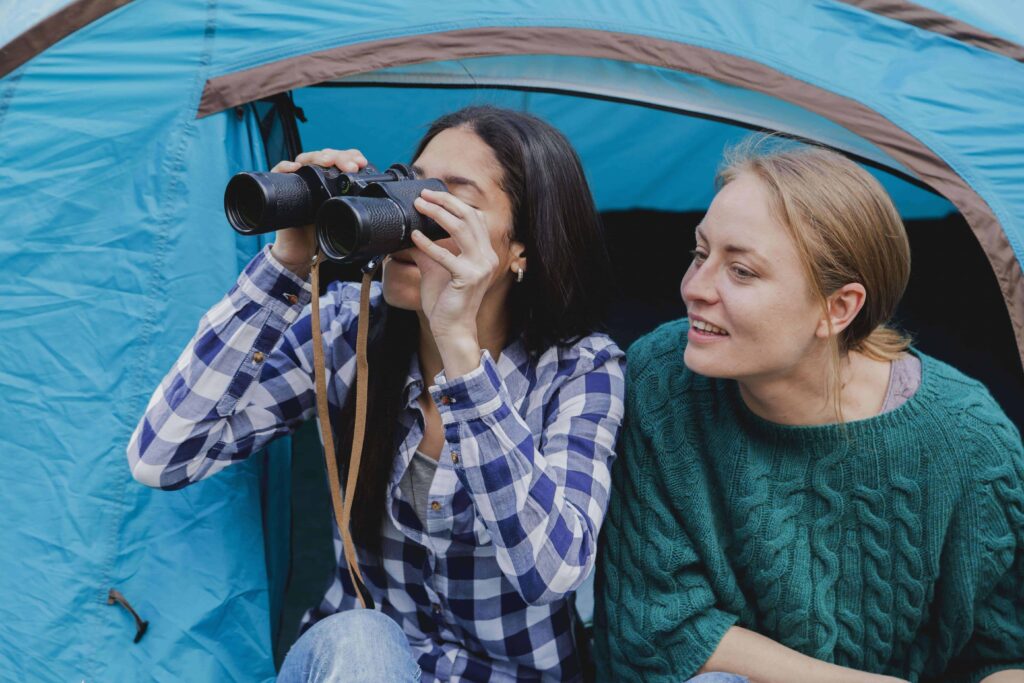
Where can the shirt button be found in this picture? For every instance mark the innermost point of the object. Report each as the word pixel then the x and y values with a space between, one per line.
pixel 257 357
pixel 446 400
pixel 435 506
pixel 292 299
pixel 436 607
pixel 455 457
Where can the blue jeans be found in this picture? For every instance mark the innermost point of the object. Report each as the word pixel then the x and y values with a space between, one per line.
pixel 359 645
pixel 365 646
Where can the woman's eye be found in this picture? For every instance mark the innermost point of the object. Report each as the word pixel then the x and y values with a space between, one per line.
pixel 742 273
pixel 698 255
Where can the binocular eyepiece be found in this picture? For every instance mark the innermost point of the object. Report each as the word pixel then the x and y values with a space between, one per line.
pixel 358 215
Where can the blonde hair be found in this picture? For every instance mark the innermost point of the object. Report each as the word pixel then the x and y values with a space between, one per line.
pixel 846 229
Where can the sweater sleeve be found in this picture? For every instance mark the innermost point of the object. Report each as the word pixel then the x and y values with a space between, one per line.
pixel 997 640
pixel 657 617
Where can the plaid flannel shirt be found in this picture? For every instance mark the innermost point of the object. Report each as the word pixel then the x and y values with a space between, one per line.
pixel 516 504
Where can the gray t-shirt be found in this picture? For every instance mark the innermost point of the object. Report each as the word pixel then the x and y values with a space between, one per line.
pixel 904 379
pixel 415 484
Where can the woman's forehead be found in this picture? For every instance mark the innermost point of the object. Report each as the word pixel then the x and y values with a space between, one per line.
pixel 460 154
pixel 741 219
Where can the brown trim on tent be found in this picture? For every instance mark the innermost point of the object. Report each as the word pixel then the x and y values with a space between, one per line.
pixel 245 86
pixel 52 30
pixel 930 20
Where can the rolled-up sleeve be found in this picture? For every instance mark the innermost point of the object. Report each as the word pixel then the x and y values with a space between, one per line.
pixel 245 378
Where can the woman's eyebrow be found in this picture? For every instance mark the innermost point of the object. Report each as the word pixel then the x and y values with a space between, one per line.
pixel 731 248
pixel 451 179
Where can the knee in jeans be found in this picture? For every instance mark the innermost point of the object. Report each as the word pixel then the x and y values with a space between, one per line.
pixel 718 677
pixel 355 632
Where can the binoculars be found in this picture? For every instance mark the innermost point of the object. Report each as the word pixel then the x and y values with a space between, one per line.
pixel 358 216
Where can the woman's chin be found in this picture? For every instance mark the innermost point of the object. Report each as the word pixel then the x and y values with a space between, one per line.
pixel 704 362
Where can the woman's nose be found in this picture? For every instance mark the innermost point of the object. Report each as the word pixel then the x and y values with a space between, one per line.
pixel 698 284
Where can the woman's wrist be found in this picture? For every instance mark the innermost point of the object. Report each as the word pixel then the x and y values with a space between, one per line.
pixel 459 351
pixel 301 266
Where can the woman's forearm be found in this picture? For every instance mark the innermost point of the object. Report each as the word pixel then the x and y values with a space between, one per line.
pixel 763 660
pixel 1006 676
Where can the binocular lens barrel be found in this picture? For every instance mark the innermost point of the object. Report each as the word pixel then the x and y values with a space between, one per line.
pixel 368 226
pixel 257 203
pixel 358 215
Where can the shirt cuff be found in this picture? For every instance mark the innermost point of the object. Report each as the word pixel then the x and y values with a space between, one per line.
pixel 471 396
pixel 271 285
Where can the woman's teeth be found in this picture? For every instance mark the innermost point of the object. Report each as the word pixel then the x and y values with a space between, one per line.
pixel 709 328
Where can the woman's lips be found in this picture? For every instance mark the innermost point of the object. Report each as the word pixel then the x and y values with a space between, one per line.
pixel 702 331
pixel 710 328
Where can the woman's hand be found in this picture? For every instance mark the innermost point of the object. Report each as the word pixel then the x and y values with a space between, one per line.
pixel 452 286
pixel 294 247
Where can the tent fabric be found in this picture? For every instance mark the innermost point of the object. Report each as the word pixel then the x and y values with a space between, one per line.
pixel 863 102
pixel 627 167
pixel 930 20
pixel 48 26
pixel 641 84
pixel 115 242
pixel 996 17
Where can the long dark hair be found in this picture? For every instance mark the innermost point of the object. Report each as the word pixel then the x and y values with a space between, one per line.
pixel 563 296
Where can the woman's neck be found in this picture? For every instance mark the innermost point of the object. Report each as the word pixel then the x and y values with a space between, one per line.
pixel 804 396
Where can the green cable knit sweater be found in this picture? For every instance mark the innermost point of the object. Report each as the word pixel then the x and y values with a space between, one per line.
pixel 894 545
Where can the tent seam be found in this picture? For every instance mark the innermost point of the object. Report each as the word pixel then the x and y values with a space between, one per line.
pixel 719 46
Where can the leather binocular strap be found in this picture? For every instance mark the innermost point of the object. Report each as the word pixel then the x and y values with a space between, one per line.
pixel 343 507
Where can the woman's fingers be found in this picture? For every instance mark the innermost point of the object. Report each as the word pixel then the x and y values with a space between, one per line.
pixel 436 253
pixel 350 160
pixel 445 218
pixel 465 224
pixel 286 167
pixel 453 204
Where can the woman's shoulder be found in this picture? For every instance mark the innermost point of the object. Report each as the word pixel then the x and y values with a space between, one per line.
pixel 581 356
pixel 975 423
pixel 960 399
pixel 665 344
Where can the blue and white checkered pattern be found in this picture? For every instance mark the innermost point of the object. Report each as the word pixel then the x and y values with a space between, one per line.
pixel 515 506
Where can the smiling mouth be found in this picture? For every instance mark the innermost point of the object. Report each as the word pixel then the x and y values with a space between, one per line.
pixel 708 328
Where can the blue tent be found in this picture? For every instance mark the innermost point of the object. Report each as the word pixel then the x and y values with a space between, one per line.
pixel 121 121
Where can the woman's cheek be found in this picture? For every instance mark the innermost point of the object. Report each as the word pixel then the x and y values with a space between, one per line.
pixel 400 292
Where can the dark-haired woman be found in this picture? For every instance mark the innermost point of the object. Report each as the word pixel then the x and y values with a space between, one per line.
pixel 493 411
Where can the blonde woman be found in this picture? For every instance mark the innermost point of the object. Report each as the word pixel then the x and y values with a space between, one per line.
pixel 799 495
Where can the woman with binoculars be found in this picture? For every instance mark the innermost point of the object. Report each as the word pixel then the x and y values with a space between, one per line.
pixel 493 411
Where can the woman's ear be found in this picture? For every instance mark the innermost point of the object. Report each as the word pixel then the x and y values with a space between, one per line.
pixel 842 306
pixel 517 260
